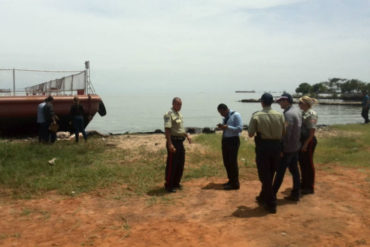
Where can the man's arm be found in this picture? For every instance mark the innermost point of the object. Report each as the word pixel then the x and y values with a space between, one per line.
pixel 252 127
pixel 170 146
pixel 236 124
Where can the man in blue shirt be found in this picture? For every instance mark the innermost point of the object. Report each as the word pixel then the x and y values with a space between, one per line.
pixel 365 107
pixel 41 122
pixel 232 126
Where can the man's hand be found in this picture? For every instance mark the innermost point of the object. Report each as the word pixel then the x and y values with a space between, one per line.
pixel 222 126
pixel 172 148
pixel 188 137
pixel 304 148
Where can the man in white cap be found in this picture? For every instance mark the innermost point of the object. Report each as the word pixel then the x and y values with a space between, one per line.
pixel 291 146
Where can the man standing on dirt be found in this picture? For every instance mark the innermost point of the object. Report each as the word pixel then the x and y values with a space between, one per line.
pixel 232 126
pixel 291 146
pixel 268 125
pixel 175 136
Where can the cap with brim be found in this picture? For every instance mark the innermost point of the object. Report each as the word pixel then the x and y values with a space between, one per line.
pixel 282 98
pixel 267 98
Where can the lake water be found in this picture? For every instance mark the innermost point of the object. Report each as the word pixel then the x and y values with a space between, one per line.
pixel 143 112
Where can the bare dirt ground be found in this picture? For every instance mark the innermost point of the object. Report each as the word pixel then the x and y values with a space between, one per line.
pixel 202 214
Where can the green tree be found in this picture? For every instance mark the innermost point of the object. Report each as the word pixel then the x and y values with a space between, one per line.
pixel 304 88
pixel 319 88
pixel 352 86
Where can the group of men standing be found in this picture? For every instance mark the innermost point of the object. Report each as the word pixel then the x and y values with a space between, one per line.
pixel 47 120
pixel 46 116
pixel 278 141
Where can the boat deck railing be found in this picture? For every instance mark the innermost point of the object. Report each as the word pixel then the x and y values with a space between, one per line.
pixel 76 83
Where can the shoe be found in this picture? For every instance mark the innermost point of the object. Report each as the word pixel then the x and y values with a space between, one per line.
pixel 307 191
pixel 292 198
pixel 228 183
pixel 178 187
pixel 231 187
pixel 170 190
pixel 270 209
pixel 259 199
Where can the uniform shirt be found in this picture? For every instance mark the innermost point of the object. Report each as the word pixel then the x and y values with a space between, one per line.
pixel 268 123
pixel 173 120
pixel 293 123
pixel 40 113
pixel 309 121
pixel 234 124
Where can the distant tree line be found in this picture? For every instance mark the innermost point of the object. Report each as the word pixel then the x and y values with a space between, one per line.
pixel 335 88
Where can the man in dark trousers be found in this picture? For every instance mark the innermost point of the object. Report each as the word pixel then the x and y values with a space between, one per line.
pixel 268 126
pixel 175 136
pixel 41 122
pixel 50 117
pixel 232 126
pixel 365 107
pixel 291 146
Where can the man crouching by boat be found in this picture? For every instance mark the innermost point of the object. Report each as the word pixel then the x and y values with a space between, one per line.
pixel 50 119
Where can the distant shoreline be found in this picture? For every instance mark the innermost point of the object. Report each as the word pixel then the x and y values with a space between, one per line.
pixel 321 102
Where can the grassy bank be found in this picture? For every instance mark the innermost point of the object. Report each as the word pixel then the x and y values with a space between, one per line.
pixel 25 171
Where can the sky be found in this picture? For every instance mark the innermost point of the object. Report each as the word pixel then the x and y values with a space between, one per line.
pixel 189 45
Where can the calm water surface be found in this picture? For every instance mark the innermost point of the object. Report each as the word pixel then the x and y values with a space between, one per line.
pixel 144 112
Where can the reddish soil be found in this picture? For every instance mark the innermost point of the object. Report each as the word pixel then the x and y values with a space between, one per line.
pixel 202 214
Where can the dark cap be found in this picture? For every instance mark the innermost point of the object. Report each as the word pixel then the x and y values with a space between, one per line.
pixel 267 98
pixel 286 96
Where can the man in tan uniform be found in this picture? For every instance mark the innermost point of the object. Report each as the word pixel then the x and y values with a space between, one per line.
pixel 175 136
pixel 269 127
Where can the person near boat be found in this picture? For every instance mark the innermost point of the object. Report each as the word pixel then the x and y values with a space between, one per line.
pixel 51 120
pixel 41 122
pixel 77 114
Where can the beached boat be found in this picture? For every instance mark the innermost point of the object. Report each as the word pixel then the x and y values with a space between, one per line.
pixel 18 110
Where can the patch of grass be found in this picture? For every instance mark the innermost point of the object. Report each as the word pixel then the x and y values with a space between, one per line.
pixel 24 168
pixel 26 173
pixel 346 150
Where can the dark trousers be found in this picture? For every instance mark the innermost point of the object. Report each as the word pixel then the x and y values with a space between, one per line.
pixel 267 159
pixel 78 126
pixel 289 160
pixel 307 166
pixel 365 114
pixel 175 164
pixel 230 148
pixel 51 135
pixel 43 132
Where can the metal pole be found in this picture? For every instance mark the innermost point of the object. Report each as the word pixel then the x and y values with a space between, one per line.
pixel 87 67
pixel 13 82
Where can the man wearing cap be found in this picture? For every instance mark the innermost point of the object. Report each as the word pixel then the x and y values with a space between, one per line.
pixel 268 127
pixel 291 146
pixel 232 126
pixel 175 136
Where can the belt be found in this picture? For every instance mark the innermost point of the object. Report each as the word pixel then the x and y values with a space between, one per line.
pixel 178 138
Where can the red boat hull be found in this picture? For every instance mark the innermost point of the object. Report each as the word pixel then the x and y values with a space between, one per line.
pixel 18 114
